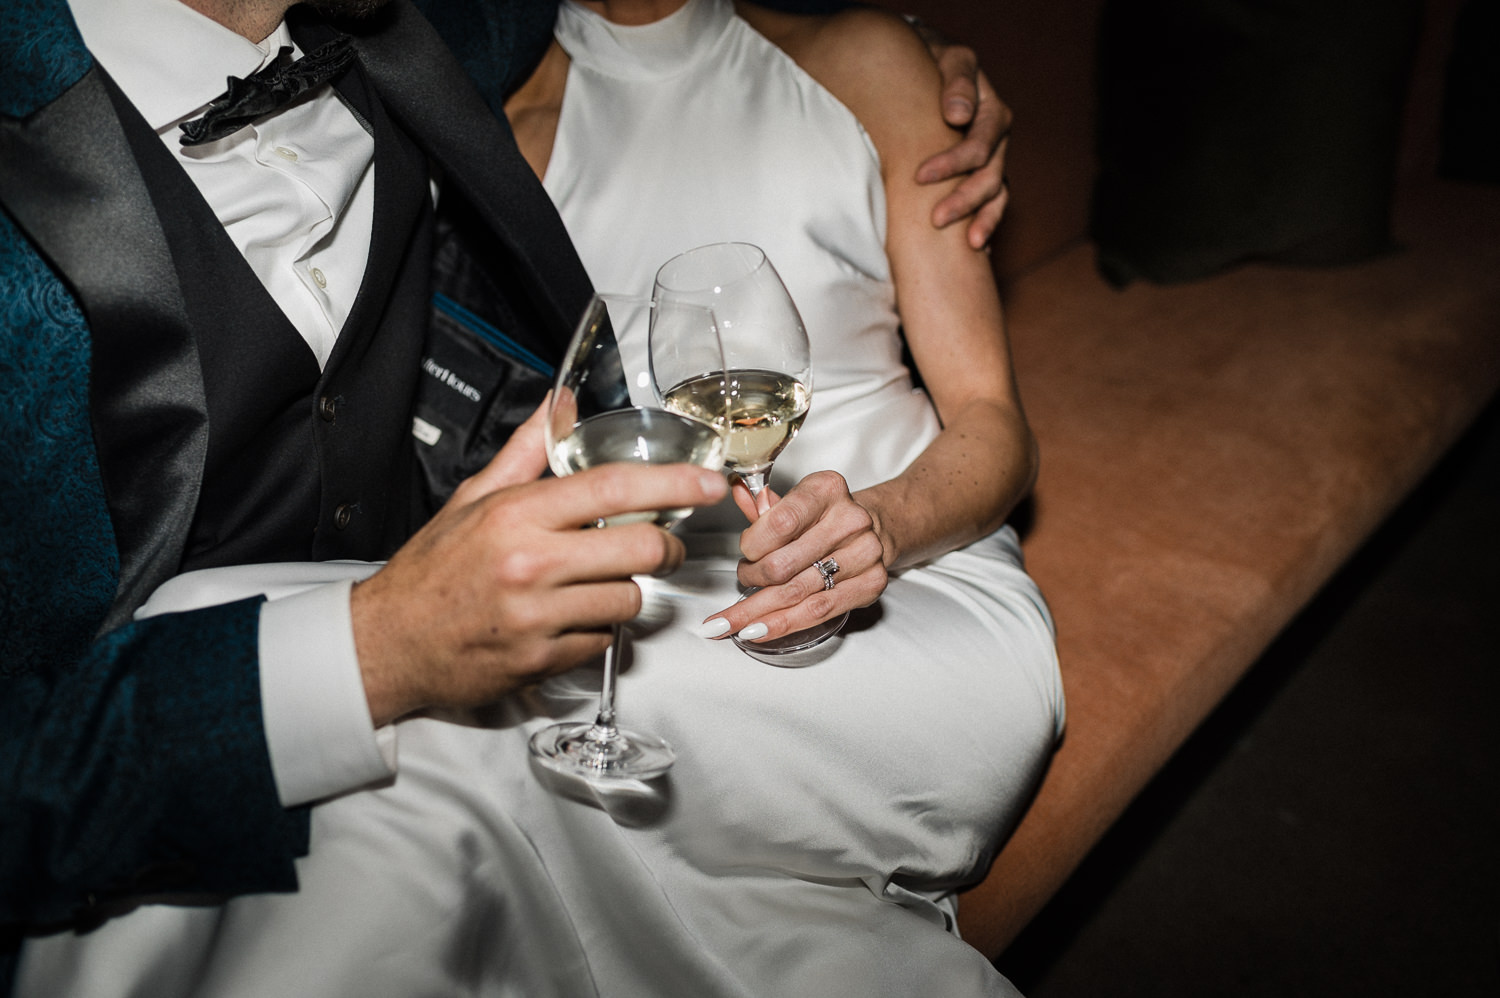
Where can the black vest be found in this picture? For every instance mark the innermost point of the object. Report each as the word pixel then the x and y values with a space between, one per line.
pixel 298 465
pixel 301 464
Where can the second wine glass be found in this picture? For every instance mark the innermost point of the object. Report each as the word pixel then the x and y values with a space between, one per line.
pixel 604 408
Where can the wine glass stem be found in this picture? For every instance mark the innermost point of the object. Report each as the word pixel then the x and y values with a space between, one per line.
pixel 604 724
pixel 755 481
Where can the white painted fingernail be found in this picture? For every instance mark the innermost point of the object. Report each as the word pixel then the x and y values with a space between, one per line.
pixel 716 628
pixel 756 630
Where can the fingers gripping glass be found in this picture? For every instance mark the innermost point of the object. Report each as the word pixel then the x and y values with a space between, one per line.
pixel 606 407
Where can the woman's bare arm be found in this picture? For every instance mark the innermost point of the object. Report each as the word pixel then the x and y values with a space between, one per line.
pixel 984 460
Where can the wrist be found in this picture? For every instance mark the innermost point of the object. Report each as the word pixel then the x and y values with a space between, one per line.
pixel 389 692
pixel 890 552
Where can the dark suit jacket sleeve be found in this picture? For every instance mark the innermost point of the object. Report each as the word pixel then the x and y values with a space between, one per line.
pixel 497 42
pixel 139 767
pixel 132 762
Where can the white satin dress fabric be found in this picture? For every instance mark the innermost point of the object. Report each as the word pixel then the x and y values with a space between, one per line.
pixel 819 820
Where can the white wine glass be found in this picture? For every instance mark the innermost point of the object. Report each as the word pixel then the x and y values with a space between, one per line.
pixel 604 408
pixel 768 364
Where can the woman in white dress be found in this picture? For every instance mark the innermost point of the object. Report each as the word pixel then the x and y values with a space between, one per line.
pixel 902 761
pixel 819 821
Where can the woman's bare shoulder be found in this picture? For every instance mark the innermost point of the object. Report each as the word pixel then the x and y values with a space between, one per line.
pixel 870 59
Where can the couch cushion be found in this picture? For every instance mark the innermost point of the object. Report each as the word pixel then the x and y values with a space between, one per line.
pixel 1211 453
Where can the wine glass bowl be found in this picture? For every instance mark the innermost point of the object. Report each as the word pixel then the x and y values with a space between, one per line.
pixel 605 406
pixel 767 357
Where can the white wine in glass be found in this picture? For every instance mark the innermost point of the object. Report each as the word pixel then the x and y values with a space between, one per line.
pixel 604 408
pixel 767 356
pixel 766 408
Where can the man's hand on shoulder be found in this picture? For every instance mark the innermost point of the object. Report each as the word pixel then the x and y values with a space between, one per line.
pixel 969 103
pixel 503 588
pixel 847 51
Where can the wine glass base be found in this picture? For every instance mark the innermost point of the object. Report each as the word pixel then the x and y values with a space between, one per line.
pixel 798 649
pixel 578 749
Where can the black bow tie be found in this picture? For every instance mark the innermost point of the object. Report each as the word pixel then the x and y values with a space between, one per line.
pixel 266 90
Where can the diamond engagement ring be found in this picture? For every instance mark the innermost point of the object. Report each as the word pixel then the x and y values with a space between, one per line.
pixel 827 568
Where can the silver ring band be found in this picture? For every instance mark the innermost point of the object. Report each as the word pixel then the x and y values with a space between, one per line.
pixel 827 568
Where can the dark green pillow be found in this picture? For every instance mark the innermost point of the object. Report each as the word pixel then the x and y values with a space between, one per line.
pixel 1233 130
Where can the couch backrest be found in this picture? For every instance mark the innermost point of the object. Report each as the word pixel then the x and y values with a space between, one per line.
pixel 1041 56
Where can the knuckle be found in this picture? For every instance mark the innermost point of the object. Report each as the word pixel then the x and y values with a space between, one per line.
pixel 781 566
pixel 828 482
pixel 970 156
pixel 518 567
pixel 612 490
pixel 855 519
pixel 823 604
pixel 647 545
pixel 786 516
pixel 523 618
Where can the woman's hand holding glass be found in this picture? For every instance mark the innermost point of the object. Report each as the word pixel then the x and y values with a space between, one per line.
pixel 818 520
pixel 768 363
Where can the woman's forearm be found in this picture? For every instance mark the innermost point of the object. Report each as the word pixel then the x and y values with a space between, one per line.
pixel 959 489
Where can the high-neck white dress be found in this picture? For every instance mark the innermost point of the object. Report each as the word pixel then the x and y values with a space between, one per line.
pixel 811 837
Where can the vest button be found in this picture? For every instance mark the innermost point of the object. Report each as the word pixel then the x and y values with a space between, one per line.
pixel 343 515
pixel 328 408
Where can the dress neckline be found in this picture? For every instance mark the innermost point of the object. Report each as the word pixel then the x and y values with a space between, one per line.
pixel 652 51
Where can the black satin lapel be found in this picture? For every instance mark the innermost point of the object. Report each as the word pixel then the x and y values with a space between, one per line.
pixel 401 194
pixel 70 181
pixel 430 94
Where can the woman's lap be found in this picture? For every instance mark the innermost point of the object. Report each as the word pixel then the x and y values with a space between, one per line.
pixel 869 784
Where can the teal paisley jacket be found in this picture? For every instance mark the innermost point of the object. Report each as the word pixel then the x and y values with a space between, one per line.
pixel 132 755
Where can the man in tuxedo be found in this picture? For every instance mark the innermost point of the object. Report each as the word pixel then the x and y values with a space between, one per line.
pixel 163 414
pixel 213 355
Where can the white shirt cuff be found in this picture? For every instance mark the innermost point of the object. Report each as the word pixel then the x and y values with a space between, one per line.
pixel 318 728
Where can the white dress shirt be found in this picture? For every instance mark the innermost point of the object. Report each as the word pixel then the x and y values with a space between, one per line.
pixel 295 193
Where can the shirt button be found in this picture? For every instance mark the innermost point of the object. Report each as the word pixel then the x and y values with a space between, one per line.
pixel 328 408
pixel 285 154
pixel 318 278
pixel 343 515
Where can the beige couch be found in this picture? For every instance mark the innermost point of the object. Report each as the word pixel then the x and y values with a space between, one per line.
pixel 1211 451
